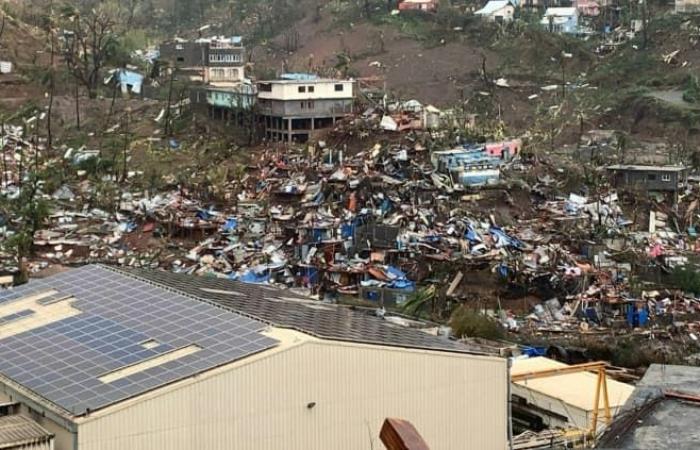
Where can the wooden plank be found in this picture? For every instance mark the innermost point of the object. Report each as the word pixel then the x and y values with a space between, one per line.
pixel 399 434
pixel 455 282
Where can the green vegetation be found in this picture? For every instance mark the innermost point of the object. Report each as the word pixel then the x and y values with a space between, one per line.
pixel 419 301
pixel 691 94
pixel 469 322
pixel 687 279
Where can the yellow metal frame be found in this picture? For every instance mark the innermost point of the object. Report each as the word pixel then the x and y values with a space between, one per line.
pixel 601 386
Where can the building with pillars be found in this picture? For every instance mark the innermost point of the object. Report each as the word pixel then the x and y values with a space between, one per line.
pixel 293 107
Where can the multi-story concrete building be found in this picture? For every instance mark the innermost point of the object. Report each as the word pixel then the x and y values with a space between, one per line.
pixel 208 60
pixel 296 105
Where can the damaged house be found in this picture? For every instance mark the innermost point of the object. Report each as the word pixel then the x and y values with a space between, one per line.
pixel 668 179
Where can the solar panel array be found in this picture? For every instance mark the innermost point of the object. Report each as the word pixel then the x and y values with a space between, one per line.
pixel 287 310
pixel 64 360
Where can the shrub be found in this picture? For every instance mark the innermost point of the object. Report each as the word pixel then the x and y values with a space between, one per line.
pixel 468 322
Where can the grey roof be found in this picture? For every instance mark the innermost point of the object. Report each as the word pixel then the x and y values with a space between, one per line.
pixel 657 422
pixel 285 309
pixel 64 361
pixel 20 431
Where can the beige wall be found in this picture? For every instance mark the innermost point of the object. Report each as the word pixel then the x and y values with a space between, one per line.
pixel 456 402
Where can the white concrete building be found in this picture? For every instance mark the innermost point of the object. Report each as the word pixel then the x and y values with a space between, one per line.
pixel 106 359
pixel 296 105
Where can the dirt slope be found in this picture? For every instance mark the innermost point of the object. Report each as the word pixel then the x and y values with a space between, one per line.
pixel 434 75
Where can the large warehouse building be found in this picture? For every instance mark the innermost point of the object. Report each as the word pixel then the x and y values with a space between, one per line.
pixel 105 359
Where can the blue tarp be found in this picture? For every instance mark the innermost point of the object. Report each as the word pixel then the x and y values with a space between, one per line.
pixel 503 239
pixel 347 230
pixel 127 78
pixel 311 274
pixel 252 277
pixel 472 236
pixel 299 76
pixel 400 281
pixel 637 317
pixel 204 215
pixel 533 351
pixel 231 224
pixel 386 206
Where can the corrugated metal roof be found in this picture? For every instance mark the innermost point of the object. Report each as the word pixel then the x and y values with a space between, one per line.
pixel 20 430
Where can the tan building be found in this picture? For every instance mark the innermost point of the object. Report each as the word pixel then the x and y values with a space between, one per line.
pixel 567 400
pixel 106 359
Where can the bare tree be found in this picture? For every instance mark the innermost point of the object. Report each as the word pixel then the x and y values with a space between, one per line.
pixel 52 78
pixel 89 41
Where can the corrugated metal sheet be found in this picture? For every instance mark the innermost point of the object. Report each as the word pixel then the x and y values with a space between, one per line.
pixel 19 432
pixel 309 394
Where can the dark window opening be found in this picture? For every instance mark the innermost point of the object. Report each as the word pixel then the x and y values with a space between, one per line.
pixel 302 88
pixel 180 59
pixel 651 177
pixel 339 88
pixel 265 87
pixel 312 89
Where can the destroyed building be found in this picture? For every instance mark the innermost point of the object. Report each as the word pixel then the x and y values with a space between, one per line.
pixel 293 107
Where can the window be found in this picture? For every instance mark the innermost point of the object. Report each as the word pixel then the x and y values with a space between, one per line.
pixel 179 47
pixel 265 87
pixel 311 105
pixel 302 105
pixel 339 88
pixel 312 89
pixel 224 58
pixel 180 59
pixel 666 177
pixel 302 89
pixel 651 177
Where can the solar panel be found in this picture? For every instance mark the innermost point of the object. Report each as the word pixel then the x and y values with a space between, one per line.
pixel 63 360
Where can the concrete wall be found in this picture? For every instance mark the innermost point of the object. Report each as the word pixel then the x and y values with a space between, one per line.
pixel 316 395
pixel 305 108
pixel 322 89
pixel 648 180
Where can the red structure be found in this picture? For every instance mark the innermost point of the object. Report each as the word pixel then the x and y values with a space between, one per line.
pixel 418 5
